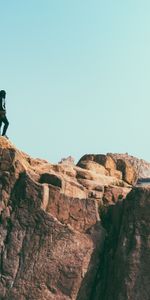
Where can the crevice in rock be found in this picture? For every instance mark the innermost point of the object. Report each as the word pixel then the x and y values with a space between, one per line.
pixel 51 179
pixel 111 219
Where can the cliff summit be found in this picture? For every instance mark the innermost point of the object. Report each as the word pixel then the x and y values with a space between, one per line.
pixel 73 231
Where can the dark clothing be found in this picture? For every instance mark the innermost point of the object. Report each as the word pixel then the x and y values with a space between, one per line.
pixel 2 104
pixel 4 120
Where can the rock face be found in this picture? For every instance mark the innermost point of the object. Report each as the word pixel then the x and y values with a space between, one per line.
pixel 70 232
pixel 124 272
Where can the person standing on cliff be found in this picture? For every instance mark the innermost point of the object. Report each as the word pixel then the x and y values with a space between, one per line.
pixel 3 118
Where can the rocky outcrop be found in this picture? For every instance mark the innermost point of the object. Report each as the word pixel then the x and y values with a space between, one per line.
pixel 124 272
pixel 68 231
pixel 122 166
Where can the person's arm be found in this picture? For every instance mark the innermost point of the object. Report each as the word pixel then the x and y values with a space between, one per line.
pixel 3 104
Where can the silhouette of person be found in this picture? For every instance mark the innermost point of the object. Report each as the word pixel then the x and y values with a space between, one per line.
pixel 3 118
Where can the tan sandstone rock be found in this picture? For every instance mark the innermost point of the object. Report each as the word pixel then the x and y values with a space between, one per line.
pixel 69 232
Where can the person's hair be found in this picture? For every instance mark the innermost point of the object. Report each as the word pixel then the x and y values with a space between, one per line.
pixel 2 93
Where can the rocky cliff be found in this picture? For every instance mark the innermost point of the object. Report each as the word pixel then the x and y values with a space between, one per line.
pixel 73 231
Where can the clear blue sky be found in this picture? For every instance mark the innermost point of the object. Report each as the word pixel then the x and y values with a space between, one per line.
pixel 77 76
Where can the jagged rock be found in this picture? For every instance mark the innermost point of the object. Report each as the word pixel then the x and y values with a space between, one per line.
pixel 93 166
pixel 43 259
pixel 117 174
pixel 129 174
pixel 112 194
pixel 121 166
pixel 67 160
pixel 124 272
pixel 68 232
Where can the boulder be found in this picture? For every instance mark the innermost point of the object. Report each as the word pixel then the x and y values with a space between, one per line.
pixel 129 173
pixel 93 166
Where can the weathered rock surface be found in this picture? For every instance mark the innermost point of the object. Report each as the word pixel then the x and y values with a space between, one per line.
pixel 124 272
pixel 130 168
pixel 69 232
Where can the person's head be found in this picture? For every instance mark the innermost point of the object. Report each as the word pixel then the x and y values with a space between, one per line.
pixel 2 94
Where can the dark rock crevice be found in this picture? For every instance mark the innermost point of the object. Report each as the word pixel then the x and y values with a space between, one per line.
pixel 51 179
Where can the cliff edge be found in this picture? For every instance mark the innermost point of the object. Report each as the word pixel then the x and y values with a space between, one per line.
pixel 73 231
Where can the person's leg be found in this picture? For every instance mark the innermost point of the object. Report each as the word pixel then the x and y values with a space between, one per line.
pixel 6 124
pixel 0 125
